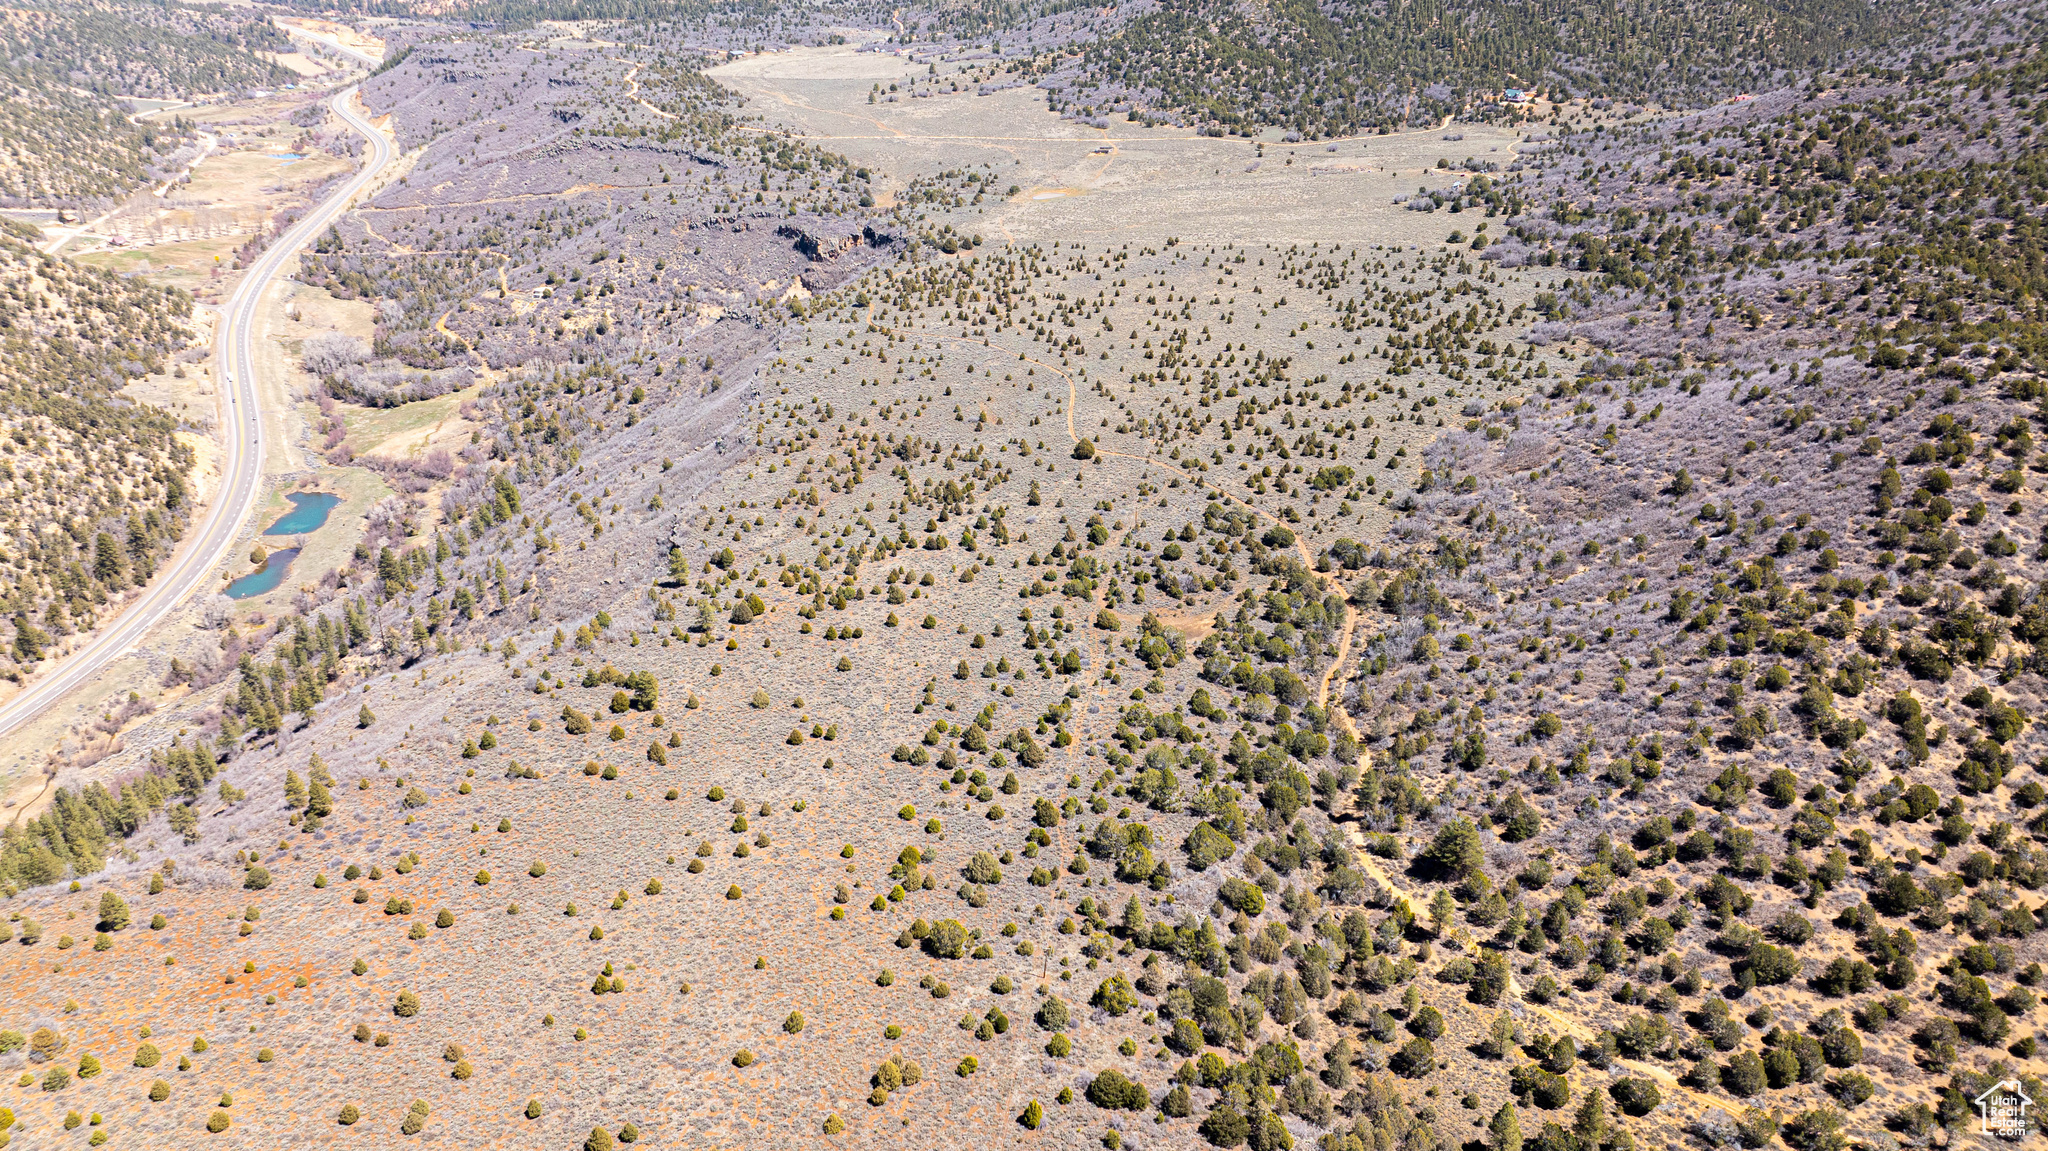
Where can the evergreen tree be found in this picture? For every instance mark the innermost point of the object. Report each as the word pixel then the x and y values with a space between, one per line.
pixel 1590 1124
pixel 1504 1133
pixel 319 800
pixel 1455 851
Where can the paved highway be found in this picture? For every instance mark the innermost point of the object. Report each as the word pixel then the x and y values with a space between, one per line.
pixel 322 38
pixel 241 427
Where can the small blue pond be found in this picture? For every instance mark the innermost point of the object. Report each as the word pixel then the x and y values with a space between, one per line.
pixel 258 582
pixel 289 158
pixel 309 511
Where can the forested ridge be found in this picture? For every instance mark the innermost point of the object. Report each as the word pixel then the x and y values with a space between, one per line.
pixel 94 487
pixel 66 137
pixel 1343 68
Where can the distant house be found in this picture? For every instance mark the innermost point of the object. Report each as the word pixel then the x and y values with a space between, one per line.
pixel 1514 96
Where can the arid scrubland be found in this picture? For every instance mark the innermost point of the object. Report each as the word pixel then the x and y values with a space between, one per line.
pixel 872 681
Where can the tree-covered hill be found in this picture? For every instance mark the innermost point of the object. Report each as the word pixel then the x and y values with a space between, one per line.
pixel 95 488
pixel 1344 68
pixel 65 137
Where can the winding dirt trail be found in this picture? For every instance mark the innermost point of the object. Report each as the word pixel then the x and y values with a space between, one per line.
pixel 633 93
pixel 483 366
pixel 34 802
pixel 1337 662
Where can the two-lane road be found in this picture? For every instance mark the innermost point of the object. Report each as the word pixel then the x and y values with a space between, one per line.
pixel 241 416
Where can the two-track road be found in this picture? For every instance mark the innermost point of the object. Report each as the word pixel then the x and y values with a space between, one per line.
pixel 241 417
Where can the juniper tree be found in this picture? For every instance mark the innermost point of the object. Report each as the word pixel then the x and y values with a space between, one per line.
pixel 1504 1131
pixel 113 912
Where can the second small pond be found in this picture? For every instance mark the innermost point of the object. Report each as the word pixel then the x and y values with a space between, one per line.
pixel 269 576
